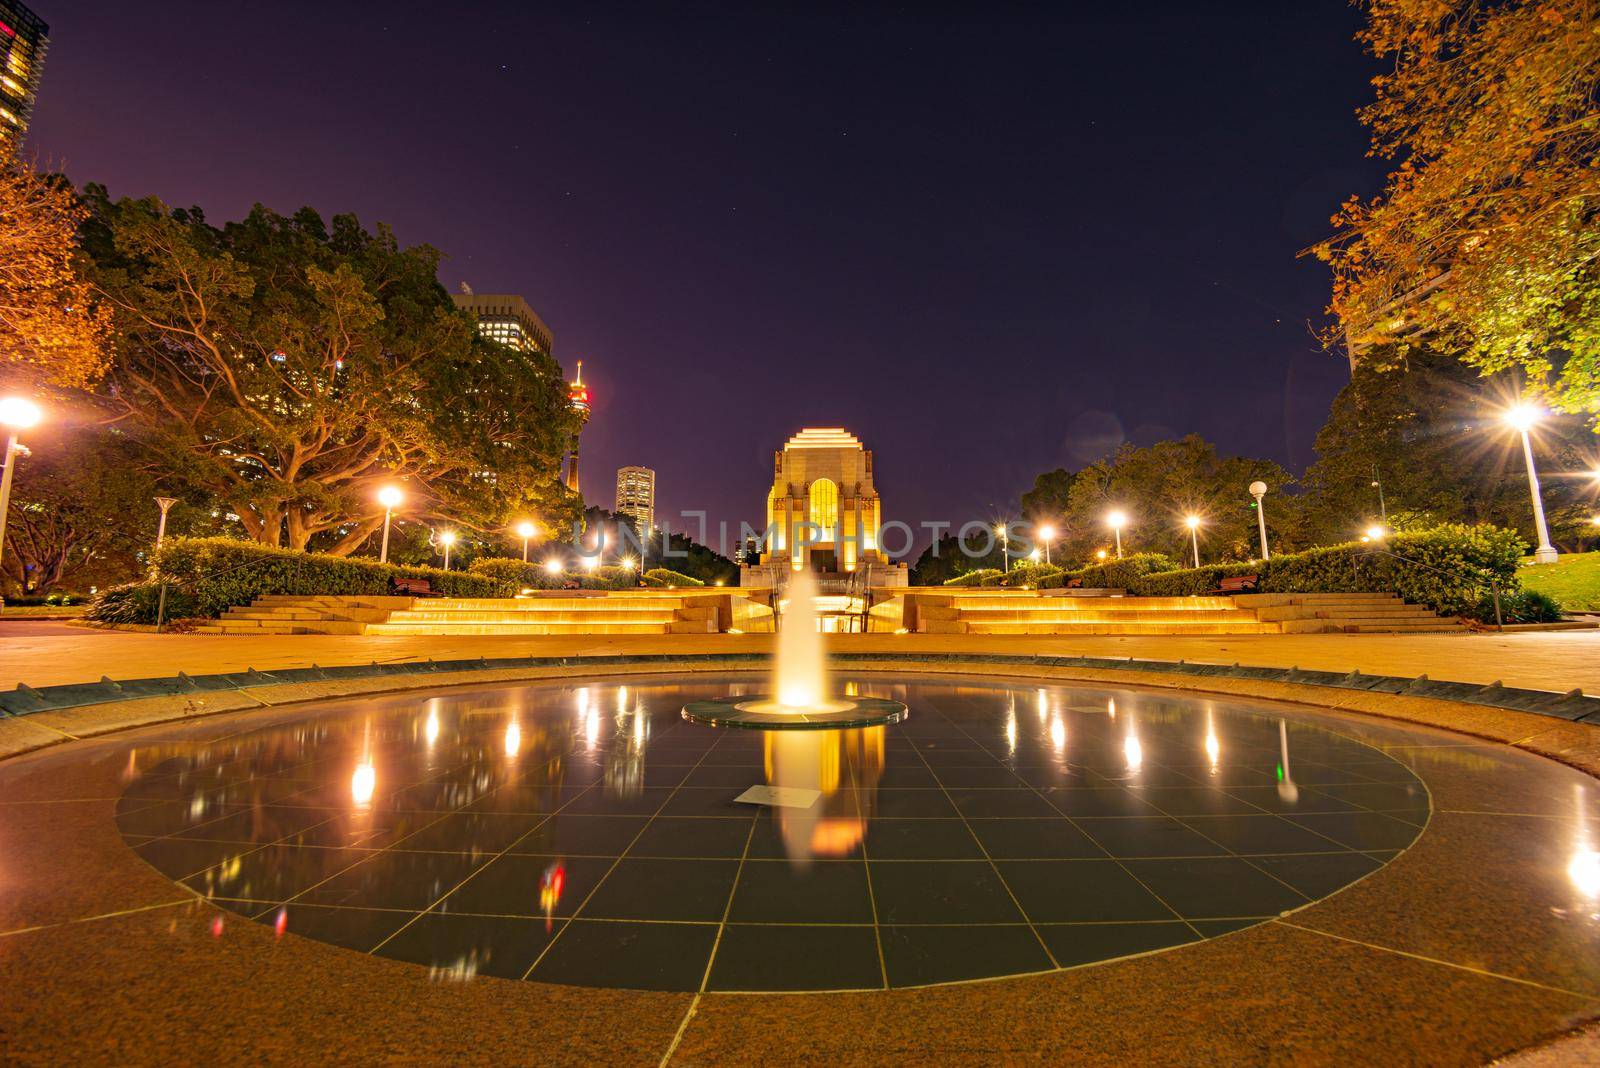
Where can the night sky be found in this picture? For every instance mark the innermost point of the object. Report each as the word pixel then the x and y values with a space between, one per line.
pixel 989 244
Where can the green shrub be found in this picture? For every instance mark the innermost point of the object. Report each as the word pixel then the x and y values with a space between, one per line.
pixel 1190 581
pixel 984 576
pixel 222 572
pixel 1447 568
pixel 608 578
pixel 662 576
pixel 1033 575
pixel 1524 606
pixel 511 576
pixel 1123 573
pixel 138 602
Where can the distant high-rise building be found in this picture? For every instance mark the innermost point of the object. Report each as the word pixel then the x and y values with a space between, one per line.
pixel 24 39
pixel 502 317
pixel 636 496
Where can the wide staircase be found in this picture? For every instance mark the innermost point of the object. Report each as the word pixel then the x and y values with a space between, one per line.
pixel 624 612
pixel 1043 612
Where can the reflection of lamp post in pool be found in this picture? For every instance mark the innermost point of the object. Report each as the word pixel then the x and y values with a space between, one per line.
pixel 165 504
pixel 447 538
pixel 16 414
pixel 390 497
pixel 1258 490
pixel 1523 418
pixel 1193 523
pixel 1117 520
pixel 1287 790
pixel 526 531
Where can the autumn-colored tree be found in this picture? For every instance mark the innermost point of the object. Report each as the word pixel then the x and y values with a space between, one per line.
pixel 1486 238
pixel 48 324
pixel 288 369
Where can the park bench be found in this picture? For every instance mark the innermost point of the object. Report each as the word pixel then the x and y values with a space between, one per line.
pixel 413 587
pixel 1239 584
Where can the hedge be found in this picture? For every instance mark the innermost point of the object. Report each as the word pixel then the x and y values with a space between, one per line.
pixel 984 576
pixel 608 578
pixel 511 576
pixel 221 572
pixel 665 576
pixel 1119 574
pixel 1447 568
pixel 1030 574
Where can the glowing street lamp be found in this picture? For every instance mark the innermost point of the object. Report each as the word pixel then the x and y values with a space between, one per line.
pixel 1047 534
pixel 16 415
pixel 1005 546
pixel 390 497
pixel 1100 554
pixel 1375 533
pixel 1193 523
pixel 447 538
pixel 1523 418
pixel 526 531
pixel 1117 520
pixel 1258 490
pixel 553 566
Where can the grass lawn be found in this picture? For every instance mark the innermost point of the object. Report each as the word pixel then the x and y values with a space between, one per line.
pixel 1574 580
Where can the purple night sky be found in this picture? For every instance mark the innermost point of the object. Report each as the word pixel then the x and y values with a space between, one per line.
pixel 988 244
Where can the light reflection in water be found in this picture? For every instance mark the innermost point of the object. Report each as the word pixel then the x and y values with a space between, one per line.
pixel 362 784
pixel 513 742
pixel 1584 867
pixel 843 768
pixel 430 730
pixel 1043 701
pixel 1058 735
pixel 1132 750
pixel 1213 745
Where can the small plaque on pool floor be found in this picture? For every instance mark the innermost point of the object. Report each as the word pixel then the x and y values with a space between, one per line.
pixel 779 796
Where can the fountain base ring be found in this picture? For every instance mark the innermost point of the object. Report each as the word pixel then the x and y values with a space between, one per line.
pixel 747 713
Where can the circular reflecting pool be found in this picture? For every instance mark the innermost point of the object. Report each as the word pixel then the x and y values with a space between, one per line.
pixel 587 834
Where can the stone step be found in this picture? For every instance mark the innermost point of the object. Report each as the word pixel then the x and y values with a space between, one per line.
pixel 523 628
pixel 1216 615
pixel 1240 627
pixel 595 616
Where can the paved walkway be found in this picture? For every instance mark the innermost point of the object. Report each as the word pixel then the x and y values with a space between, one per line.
pixel 42 654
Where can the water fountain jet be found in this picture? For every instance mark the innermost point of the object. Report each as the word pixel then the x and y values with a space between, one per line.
pixel 800 697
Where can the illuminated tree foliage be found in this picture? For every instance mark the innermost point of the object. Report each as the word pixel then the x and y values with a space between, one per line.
pixel 1156 486
pixel 1486 240
pixel 287 369
pixel 1429 429
pixel 48 325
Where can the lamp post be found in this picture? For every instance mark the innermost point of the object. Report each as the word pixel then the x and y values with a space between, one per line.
pixel 1047 534
pixel 1193 523
pixel 1522 418
pixel 16 415
pixel 390 497
pixel 1377 484
pixel 526 531
pixel 165 504
pixel 447 538
pixel 1117 520
pixel 1258 490
pixel 1005 546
